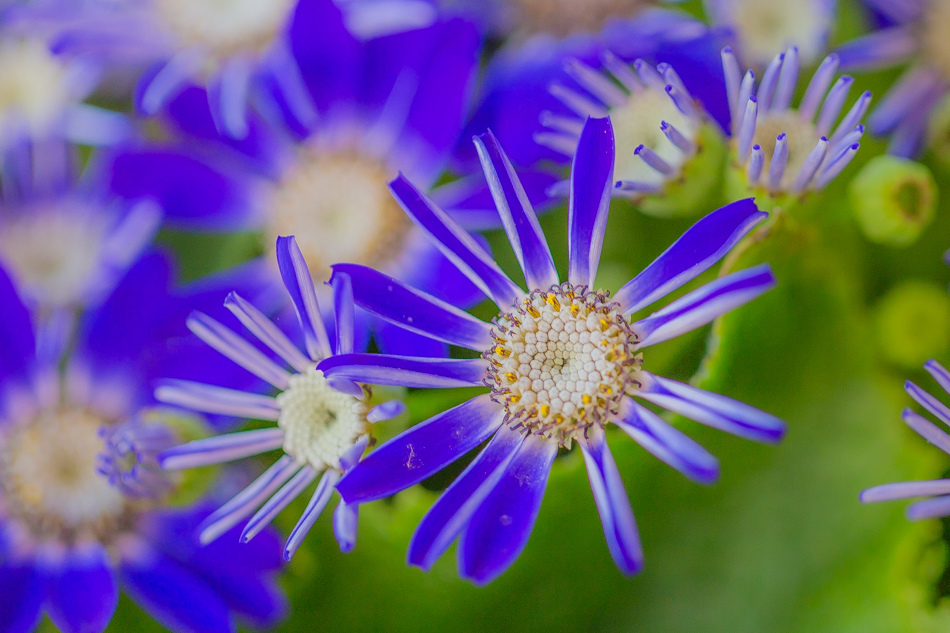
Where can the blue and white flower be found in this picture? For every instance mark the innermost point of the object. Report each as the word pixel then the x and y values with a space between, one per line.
pixel 561 361
pixel 322 424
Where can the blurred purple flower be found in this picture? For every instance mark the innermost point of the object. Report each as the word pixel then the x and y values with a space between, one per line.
pixel 84 509
pixel 562 361
pixel 913 31
pixel 806 146
pixel 938 490
pixel 323 426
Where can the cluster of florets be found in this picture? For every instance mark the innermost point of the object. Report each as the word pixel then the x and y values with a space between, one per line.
pixel 562 362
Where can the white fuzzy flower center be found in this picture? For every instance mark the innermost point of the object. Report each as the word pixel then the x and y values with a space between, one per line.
pixel 802 138
pixel 33 86
pixel 936 44
pixel 226 27
pixel 766 27
pixel 49 480
pixel 638 122
pixel 563 17
pixel 340 210
pixel 52 252
pixel 562 362
pixel 320 423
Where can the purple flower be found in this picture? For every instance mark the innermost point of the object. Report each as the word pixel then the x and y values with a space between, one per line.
pixel 758 28
pixel 317 168
pixel 807 146
pixel 84 510
pixel 915 32
pixel 65 239
pixel 562 360
pixel 659 126
pixel 323 425
pixel 938 490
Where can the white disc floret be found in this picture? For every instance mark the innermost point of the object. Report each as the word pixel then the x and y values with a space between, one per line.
pixel 320 424
pixel 34 86
pixel 562 362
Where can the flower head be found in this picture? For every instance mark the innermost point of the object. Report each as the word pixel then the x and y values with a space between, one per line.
pixel 561 361
pixel 804 147
pixel 938 490
pixel 915 32
pixel 84 509
pixel 323 425
pixel 661 132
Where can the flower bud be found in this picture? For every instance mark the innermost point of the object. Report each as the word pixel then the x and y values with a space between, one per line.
pixel 912 323
pixel 894 200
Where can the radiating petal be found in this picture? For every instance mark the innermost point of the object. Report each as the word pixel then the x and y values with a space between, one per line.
pixel 499 529
pixel 591 186
pixel 318 501
pixel 344 319
pixel 299 283
pixel 421 451
pixel 405 371
pixel 221 448
pixel 82 592
pixel 906 490
pixel 22 588
pixel 345 522
pixel 701 246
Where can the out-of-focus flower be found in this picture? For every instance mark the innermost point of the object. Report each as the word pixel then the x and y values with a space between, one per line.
pixel 84 509
pixel 758 28
pixel 66 240
pixel 778 149
pixel 41 95
pixel 367 110
pixel 323 425
pixel 915 32
pixel 669 152
pixel 938 490
pixel 561 360
pixel 894 200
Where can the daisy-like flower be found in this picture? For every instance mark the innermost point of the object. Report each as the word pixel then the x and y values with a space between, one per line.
pixel 938 490
pixel 84 508
pixel 41 95
pixel 666 143
pixel 760 27
pixel 915 33
pixel 66 239
pixel 385 105
pixel 561 360
pixel 323 425
pixel 778 149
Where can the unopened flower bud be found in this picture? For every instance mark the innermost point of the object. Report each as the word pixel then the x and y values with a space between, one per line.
pixel 894 200
pixel 912 323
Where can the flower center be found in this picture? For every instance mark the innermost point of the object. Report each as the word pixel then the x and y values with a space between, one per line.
pixel 340 210
pixel 53 252
pixel 936 45
pixel 563 17
pixel 33 87
pixel 320 423
pixel 638 121
pixel 802 137
pixel 562 362
pixel 49 479
pixel 767 26
pixel 225 27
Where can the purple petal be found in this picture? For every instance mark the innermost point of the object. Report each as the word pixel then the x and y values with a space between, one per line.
pixel 448 517
pixel 221 448
pixel 23 591
pixel 231 345
pixel 928 402
pixel 299 283
pixel 455 243
pixel 17 341
pixel 386 411
pixel 265 331
pixel 705 304
pixel 517 215
pixel 906 490
pixel 499 529
pixel 940 374
pixel 173 595
pixel 711 409
pixel 413 309
pixel 927 430
pixel 668 444
pixel 616 516
pixel 318 501
pixel 701 246
pixel 345 522
pixel 394 340
pixel 469 200
pixel 929 508
pixel 218 400
pixel 344 318
pixel 421 451
pixel 281 499
pixel 406 371
pixel 591 185
pixel 82 593
pixel 887 47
